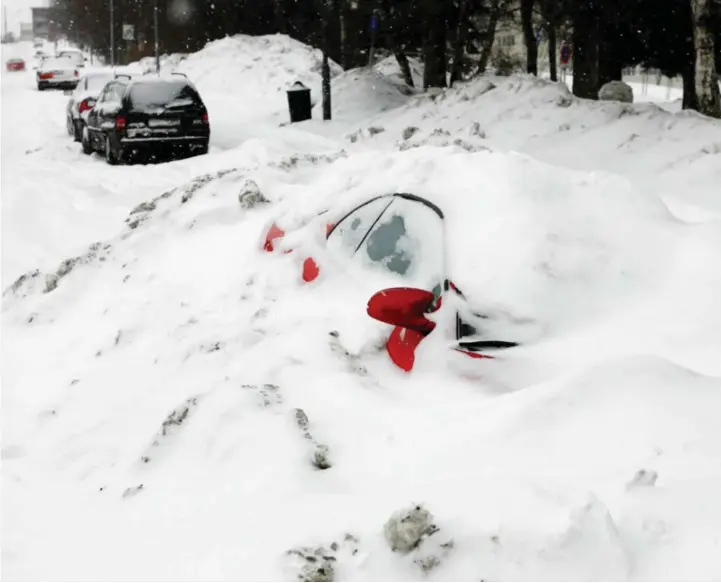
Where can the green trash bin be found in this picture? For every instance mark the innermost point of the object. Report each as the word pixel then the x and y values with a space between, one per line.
pixel 299 103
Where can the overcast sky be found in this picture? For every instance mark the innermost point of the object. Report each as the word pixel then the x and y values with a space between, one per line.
pixel 19 11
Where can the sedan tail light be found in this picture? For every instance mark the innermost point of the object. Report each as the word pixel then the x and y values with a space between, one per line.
pixel 77 74
pixel 86 104
pixel 46 75
pixel 119 123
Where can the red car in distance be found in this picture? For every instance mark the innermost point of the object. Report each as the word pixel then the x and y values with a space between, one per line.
pixel 15 65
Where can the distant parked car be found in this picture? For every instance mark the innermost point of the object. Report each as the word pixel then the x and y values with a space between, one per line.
pixel 57 73
pixel 76 56
pixel 147 116
pixel 15 65
pixel 39 57
pixel 83 99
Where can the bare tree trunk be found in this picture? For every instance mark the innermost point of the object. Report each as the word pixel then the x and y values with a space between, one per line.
pixel 434 44
pixel 405 67
pixel 396 40
pixel 280 17
pixel 552 23
pixel 585 48
pixel 342 20
pixel 487 47
pixel 461 35
pixel 528 37
pixel 610 67
pixel 707 89
pixel 689 87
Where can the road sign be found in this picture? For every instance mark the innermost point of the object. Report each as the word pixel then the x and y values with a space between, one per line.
pixel 374 22
pixel 565 54
pixel 128 32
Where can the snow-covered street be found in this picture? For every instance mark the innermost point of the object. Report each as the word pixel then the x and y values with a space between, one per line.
pixel 154 358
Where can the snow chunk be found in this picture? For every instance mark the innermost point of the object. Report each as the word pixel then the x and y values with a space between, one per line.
pixel 250 195
pixel 616 91
pixel 406 529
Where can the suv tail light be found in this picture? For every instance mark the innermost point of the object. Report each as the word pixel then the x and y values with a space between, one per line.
pixel 119 123
pixel 204 117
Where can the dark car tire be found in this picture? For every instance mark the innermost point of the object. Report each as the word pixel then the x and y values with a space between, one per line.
pixel 85 141
pixel 41 87
pixel 200 150
pixel 78 130
pixel 113 156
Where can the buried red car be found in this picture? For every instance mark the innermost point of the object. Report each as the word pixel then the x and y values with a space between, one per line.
pixel 404 234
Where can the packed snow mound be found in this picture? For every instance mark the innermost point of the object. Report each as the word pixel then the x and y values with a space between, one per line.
pixel 213 388
pixel 252 73
pixel 364 93
pixel 388 67
pixel 680 152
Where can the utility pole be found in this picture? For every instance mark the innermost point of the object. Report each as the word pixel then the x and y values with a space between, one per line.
pixel 157 44
pixel 5 24
pixel 112 35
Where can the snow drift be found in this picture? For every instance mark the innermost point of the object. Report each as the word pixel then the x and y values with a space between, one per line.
pixel 175 406
pixel 178 405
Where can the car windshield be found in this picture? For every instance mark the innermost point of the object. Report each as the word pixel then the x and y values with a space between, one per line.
pixel 157 94
pixel 399 235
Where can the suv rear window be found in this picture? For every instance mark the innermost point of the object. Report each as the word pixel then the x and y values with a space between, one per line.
pixel 163 94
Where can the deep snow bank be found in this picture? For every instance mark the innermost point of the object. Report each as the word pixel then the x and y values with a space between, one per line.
pixel 169 414
pixel 675 154
pixel 245 78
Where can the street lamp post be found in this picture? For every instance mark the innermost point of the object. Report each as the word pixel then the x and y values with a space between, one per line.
pixel 325 69
pixel 157 44
pixel 112 35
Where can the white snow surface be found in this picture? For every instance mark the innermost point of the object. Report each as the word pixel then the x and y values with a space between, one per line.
pixel 149 398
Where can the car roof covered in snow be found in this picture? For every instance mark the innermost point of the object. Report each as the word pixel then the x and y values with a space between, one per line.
pixel 57 63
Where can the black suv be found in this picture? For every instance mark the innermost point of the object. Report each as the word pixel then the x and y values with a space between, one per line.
pixel 148 116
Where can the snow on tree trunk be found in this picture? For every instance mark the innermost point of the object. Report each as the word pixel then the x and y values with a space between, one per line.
pixel 707 89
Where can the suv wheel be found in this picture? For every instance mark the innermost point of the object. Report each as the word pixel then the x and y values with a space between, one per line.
pixel 77 130
pixel 85 140
pixel 112 156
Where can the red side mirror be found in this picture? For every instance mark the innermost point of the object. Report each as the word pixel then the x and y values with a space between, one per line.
pixel 403 306
pixel 401 347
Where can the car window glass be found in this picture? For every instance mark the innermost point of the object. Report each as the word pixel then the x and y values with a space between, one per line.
pixel 113 93
pixel 156 94
pixel 408 240
pixel 348 234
